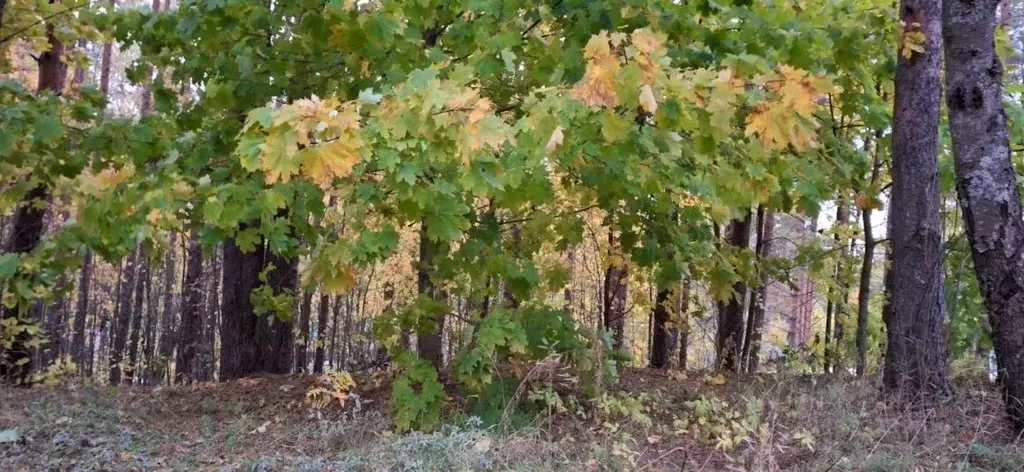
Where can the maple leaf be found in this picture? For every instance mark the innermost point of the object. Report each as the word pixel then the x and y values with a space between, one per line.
pixel 647 101
pixel 278 156
pixel 556 139
pixel 912 41
pixel 323 163
pixel 798 90
pixel 600 83
pixel 649 42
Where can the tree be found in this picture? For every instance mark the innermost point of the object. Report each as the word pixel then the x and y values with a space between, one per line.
pixel 187 367
pixel 664 337
pixel 755 319
pixel 729 340
pixel 987 184
pixel 616 286
pixel 915 361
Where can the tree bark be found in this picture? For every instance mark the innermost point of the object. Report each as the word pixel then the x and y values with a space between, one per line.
pixel 616 287
pixel 166 339
pixel 136 328
pixel 915 361
pixel 729 340
pixel 188 366
pixel 321 331
pixel 122 322
pixel 755 317
pixel 986 184
pixel 302 337
pixel 663 340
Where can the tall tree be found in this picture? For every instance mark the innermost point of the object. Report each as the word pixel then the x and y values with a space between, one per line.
pixel 429 339
pixel 664 336
pixel 915 361
pixel 166 340
pixel 987 184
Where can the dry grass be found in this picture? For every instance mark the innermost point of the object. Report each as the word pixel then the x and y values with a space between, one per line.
pixel 800 423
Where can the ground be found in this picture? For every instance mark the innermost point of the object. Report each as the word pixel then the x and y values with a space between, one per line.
pixel 655 420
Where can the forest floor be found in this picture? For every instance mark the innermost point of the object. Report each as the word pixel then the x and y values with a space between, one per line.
pixel 656 421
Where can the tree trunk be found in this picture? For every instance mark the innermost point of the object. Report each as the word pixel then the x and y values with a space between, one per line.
pixel 124 317
pixel 274 338
pixel 211 320
pixel 166 340
pixel 616 287
pixel 321 331
pixel 986 184
pixel 429 342
pixel 81 312
pixel 663 337
pixel 864 293
pixel 686 325
pixel 302 337
pixel 188 366
pixel 136 328
pixel 915 361
pixel 755 317
pixel 729 341
pixel 835 308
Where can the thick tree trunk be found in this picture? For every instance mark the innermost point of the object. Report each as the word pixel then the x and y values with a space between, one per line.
pixel 729 341
pixel 616 279
pixel 274 338
pixel 302 336
pixel 686 325
pixel 755 317
pixel 211 320
pixel 663 337
pixel 915 361
pixel 188 365
pixel 987 184
pixel 321 331
pixel 429 342
pixel 123 320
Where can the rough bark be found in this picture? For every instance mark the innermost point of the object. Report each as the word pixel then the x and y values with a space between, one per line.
pixel 755 317
pixel 616 278
pixel 166 340
pixel 729 340
pixel 321 331
pixel 864 293
pixel 123 319
pixel 190 331
pixel 915 362
pixel 136 327
pixel 986 184
pixel 274 338
pixel 81 313
pixel 686 325
pixel 663 340
pixel 302 336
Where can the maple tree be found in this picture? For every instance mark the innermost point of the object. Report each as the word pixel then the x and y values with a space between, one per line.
pixel 301 145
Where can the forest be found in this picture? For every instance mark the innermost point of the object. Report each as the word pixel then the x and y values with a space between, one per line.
pixel 511 235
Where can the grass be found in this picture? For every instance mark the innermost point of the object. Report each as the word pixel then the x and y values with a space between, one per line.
pixel 655 421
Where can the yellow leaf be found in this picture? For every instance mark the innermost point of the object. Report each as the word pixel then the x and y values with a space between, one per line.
pixel 647 101
pixel 599 86
pixel 912 41
pixel 718 380
pixel 557 138
pixel 323 163
pixel 649 42
pixel 481 109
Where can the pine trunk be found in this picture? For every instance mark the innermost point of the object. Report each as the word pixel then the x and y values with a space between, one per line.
pixel 188 365
pixel 302 336
pixel 321 330
pixel 915 361
pixel 663 337
pixel 987 184
pixel 123 320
